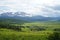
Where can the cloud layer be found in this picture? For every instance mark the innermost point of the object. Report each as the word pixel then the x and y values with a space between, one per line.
pixel 36 7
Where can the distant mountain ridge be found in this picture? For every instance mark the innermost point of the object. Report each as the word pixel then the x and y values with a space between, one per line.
pixel 11 14
pixel 26 17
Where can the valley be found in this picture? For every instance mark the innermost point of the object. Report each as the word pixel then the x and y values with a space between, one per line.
pixel 29 28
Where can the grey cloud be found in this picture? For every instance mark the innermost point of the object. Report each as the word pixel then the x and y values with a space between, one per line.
pixel 52 11
pixel 56 7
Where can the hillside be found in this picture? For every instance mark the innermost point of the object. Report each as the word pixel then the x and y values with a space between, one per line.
pixel 11 21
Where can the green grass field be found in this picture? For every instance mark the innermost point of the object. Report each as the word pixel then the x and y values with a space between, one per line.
pixel 7 34
pixel 26 34
pixel 48 25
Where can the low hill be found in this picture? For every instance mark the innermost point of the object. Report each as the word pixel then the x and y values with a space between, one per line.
pixel 11 21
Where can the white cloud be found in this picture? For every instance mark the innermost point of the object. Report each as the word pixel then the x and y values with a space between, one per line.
pixel 29 6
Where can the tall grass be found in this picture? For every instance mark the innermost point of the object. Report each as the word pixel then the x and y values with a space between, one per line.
pixel 7 34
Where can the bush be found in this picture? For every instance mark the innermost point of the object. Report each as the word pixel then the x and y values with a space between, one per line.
pixel 57 29
pixel 54 36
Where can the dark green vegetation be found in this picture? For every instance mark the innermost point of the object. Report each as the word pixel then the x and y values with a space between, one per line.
pixel 11 21
pixel 9 30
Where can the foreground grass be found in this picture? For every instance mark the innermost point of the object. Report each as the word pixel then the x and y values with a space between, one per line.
pixel 8 34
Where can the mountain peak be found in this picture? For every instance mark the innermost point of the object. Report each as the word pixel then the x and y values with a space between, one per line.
pixel 22 14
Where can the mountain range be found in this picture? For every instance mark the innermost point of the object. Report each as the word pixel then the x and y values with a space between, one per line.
pixel 26 17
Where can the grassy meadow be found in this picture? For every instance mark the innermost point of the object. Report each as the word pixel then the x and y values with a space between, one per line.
pixel 30 31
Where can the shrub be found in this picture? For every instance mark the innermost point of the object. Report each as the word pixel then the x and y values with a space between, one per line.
pixel 54 36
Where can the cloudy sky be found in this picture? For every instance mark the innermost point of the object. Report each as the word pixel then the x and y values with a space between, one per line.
pixel 36 7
